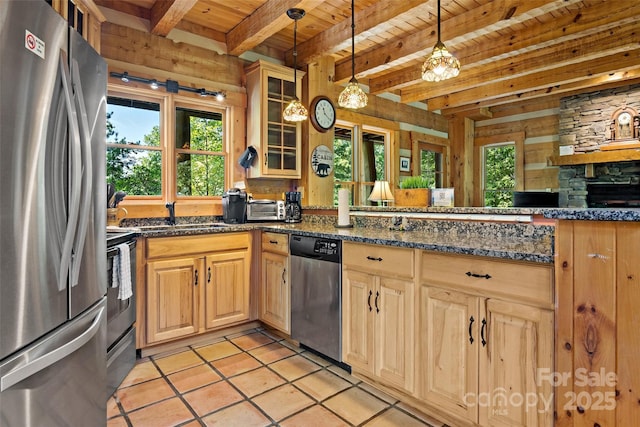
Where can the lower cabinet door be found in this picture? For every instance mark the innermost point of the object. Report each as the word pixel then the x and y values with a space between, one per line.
pixel 519 348
pixel 275 298
pixel 358 302
pixel 173 298
pixel 448 351
pixel 226 288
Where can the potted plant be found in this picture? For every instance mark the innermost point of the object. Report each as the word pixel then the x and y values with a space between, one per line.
pixel 413 191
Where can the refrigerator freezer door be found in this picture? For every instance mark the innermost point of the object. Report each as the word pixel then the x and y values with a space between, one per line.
pixel 88 276
pixel 53 382
pixel 33 173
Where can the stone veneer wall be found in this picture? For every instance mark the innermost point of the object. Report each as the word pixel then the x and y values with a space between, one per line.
pixel 584 124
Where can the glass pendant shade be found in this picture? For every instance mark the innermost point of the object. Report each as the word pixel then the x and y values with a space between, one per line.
pixel 441 65
pixel 295 111
pixel 353 96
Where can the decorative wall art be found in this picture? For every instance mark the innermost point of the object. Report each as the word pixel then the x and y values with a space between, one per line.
pixel 322 161
pixel 405 164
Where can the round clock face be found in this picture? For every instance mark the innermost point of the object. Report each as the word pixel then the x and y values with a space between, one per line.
pixel 624 118
pixel 323 114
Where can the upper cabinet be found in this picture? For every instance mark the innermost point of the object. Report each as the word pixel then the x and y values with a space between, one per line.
pixel 84 16
pixel 270 88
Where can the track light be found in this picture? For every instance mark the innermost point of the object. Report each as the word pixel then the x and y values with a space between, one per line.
pixel 169 85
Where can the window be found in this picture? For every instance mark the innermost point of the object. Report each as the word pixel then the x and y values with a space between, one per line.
pixel 431 166
pixel 499 174
pixel 360 158
pixel 192 164
pixel 134 154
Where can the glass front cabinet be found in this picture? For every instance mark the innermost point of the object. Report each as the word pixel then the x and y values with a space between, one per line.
pixel 270 88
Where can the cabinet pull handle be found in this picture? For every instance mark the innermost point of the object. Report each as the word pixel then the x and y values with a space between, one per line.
pixel 284 271
pixel 470 274
pixel 196 284
pixel 471 320
pixel 273 242
pixel 209 275
pixel 374 259
pixel 369 300
pixel 265 159
pixel 376 302
pixel 484 325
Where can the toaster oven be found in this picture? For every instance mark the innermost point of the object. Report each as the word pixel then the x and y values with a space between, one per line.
pixel 265 210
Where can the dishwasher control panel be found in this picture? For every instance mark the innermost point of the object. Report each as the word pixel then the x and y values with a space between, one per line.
pixel 326 247
pixel 315 247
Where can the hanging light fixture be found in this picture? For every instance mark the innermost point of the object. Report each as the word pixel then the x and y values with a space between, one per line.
pixel 441 65
pixel 295 111
pixel 353 96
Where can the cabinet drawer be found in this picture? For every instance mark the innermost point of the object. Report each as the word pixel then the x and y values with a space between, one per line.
pixel 275 242
pixel 387 260
pixel 486 277
pixel 159 247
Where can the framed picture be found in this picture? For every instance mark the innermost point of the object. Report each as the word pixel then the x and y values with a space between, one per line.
pixel 405 163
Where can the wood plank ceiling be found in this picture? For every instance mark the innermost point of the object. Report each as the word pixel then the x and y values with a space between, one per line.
pixel 510 50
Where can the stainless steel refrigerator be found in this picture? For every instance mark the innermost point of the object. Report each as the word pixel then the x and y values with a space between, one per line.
pixel 52 222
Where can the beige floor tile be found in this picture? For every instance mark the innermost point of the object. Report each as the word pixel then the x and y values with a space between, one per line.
pixel 292 346
pixel 315 416
pixel 241 415
pixel 251 341
pixel 393 418
pixel 218 350
pixel 212 397
pixel 191 378
pixel 117 422
pixel 343 374
pixel 322 384
pixel 319 360
pixel 166 413
pixel 271 353
pixel 377 393
pixel 420 415
pixel 294 367
pixel 112 408
pixel 355 405
pixel 194 423
pixel 141 372
pixel 177 362
pixel 143 394
pixel 237 364
pixel 257 381
pixel 283 401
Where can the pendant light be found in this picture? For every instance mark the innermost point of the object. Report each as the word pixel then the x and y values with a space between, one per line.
pixel 295 111
pixel 441 65
pixel 353 96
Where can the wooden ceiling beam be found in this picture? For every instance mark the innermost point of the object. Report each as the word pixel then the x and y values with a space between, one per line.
pixel 375 18
pixel 165 15
pixel 480 21
pixel 594 46
pixel 566 30
pixel 548 80
pixel 266 21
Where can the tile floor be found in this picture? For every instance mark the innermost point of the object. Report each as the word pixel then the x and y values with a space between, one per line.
pixel 251 379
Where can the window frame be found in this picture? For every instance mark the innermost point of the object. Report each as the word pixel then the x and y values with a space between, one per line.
pixel 358 186
pixel 516 138
pixel 140 206
pixel 441 149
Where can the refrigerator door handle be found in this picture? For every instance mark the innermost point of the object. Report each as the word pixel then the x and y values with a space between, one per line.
pixel 76 175
pixel 87 174
pixel 51 357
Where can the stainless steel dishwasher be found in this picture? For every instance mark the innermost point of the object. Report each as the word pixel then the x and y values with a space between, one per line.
pixel 316 294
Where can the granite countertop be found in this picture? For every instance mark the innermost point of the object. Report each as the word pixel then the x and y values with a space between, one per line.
pixel 534 247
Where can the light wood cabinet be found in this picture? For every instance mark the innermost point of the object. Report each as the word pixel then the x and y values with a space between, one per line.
pixel 378 316
pixel 598 351
pixel 480 356
pixel 275 290
pixel 195 284
pixel 270 88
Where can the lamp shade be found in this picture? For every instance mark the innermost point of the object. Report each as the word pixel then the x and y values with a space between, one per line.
pixel 381 192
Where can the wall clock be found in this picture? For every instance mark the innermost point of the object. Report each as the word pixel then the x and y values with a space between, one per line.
pixel 323 113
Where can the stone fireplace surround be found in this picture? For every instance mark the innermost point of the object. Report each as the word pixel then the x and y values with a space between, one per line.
pixel 583 124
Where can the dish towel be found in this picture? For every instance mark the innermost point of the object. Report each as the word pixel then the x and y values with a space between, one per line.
pixel 122 272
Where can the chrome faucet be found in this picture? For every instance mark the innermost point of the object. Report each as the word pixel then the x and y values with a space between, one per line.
pixel 172 213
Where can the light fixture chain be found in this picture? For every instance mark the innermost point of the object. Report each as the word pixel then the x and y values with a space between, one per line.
pixel 353 41
pixel 439 21
pixel 295 54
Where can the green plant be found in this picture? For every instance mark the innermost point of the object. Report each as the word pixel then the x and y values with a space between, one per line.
pixel 414 182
